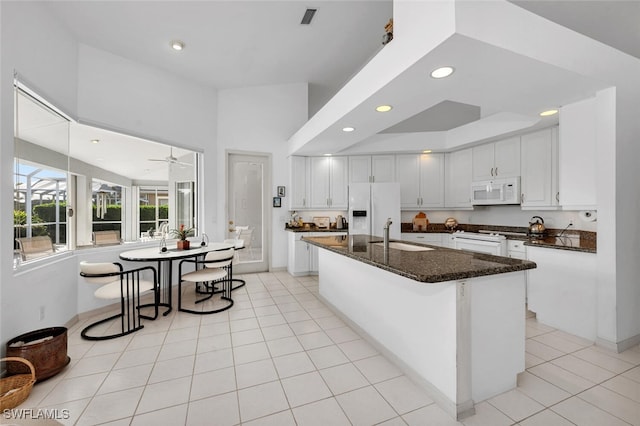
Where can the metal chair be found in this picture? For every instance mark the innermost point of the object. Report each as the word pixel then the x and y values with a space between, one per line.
pixel 116 283
pixel 215 268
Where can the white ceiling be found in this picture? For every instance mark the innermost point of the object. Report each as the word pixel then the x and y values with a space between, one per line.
pixel 245 43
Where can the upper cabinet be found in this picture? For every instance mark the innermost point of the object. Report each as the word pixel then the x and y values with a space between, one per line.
pixel 421 178
pixel 577 155
pixel 539 162
pixel 497 159
pixel 299 184
pixel 329 182
pixel 458 178
pixel 371 168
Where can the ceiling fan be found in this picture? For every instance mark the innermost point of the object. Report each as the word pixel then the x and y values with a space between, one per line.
pixel 170 159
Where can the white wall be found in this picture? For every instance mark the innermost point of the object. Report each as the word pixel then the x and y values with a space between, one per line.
pixel 122 95
pixel 260 120
pixel 45 56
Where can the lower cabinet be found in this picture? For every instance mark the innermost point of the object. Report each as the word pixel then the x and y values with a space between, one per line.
pixel 561 290
pixel 434 239
pixel 303 257
pixel 516 249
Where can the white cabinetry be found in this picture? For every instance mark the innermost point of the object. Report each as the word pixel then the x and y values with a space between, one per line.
pixel 458 166
pixel 539 163
pixel 577 155
pixel 299 198
pixel 434 239
pixel 328 187
pixel 303 257
pixel 497 159
pixel 421 178
pixel 562 297
pixel 516 249
pixel 371 168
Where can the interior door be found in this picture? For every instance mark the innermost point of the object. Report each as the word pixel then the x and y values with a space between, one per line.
pixel 248 209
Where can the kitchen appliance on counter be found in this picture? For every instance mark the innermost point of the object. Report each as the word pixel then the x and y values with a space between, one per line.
pixel 537 228
pixel 420 222
pixel 341 222
pixel 495 244
pixel 496 191
pixel 321 222
pixel 370 205
pixel 451 223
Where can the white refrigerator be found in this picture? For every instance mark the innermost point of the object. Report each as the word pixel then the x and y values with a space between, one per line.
pixel 370 205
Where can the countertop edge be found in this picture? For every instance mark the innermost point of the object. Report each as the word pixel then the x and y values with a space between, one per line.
pixel 435 277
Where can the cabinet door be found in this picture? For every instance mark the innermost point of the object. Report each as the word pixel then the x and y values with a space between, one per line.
pixel 338 183
pixel 299 182
pixel 298 259
pixel 578 155
pixel 319 181
pixel 383 168
pixel 432 180
pixel 506 161
pixel 483 162
pixel 360 169
pixel 313 258
pixel 408 174
pixel 538 160
pixel 458 166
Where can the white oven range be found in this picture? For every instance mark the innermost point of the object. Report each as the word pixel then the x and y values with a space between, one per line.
pixel 491 243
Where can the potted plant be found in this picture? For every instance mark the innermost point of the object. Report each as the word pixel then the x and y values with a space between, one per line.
pixel 181 234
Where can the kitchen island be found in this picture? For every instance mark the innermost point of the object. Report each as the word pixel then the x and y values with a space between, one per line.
pixel 454 321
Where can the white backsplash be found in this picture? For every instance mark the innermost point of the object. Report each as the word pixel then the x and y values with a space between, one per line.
pixel 506 216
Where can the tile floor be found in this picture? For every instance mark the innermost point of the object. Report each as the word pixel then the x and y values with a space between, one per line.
pixel 280 357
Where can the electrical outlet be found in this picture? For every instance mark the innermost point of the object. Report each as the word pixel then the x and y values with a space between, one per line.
pixel 42 312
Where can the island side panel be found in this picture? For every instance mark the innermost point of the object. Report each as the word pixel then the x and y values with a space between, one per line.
pixel 414 321
pixel 497 333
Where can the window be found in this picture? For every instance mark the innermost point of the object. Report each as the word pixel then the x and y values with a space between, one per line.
pixel 106 201
pixel 61 166
pixel 154 210
pixel 41 145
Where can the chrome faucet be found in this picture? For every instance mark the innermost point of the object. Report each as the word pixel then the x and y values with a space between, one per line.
pixel 386 234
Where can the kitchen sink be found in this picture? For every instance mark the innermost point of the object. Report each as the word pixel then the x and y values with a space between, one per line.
pixel 403 246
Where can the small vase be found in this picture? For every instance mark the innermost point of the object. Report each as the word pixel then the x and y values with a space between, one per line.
pixel 183 244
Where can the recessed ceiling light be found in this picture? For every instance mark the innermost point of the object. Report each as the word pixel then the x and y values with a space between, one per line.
pixel 348 129
pixel 95 140
pixel 442 72
pixel 548 112
pixel 426 151
pixel 177 45
pixel 384 108
pixel 327 155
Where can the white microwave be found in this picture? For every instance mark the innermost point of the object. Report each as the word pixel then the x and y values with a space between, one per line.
pixel 496 191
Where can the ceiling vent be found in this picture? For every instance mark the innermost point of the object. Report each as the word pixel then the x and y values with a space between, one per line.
pixel 308 16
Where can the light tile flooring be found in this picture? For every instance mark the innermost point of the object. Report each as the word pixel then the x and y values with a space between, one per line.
pixel 280 357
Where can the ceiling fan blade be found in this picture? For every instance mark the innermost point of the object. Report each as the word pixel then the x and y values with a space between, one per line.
pixel 157 159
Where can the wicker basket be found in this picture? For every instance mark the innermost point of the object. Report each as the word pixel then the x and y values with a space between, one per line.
pixel 15 389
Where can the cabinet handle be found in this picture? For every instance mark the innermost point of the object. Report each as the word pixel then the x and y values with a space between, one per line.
pixel 496 171
pixel 492 171
pixel 558 196
pixel 418 201
pixel 522 198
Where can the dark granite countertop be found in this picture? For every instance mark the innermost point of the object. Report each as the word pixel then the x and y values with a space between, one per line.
pixel 309 227
pixel 584 241
pixel 433 266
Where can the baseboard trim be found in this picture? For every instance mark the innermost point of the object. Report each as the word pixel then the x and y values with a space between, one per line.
pixel 457 412
pixel 620 346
